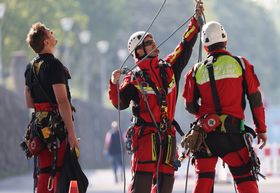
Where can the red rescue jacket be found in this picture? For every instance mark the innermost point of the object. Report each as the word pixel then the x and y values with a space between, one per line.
pixel 229 87
pixel 129 88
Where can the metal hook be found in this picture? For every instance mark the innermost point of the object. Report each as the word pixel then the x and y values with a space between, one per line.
pixel 50 183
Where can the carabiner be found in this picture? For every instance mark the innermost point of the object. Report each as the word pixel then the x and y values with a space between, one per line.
pixel 50 183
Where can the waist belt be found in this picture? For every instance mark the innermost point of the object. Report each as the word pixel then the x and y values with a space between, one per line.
pixel 44 107
pixel 140 122
pixel 49 169
pixel 229 124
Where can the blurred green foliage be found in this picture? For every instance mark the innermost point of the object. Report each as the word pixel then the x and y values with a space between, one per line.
pixel 253 31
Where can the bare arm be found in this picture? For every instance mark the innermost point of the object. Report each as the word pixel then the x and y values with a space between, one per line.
pixel 65 112
pixel 28 98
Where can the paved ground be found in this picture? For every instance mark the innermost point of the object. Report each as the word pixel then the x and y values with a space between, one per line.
pixel 101 181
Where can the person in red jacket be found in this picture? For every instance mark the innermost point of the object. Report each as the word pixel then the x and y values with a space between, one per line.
pixel 152 88
pixel 215 93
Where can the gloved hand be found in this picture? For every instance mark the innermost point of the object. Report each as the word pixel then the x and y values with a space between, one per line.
pixel 193 139
pixel 176 164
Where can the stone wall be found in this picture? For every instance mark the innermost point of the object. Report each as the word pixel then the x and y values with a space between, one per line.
pixel 13 121
pixel 91 123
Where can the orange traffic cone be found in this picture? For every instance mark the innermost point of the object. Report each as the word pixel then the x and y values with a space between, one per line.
pixel 73 188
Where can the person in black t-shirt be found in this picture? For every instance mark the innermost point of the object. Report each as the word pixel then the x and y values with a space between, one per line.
pixel 52 93
pixel 112 148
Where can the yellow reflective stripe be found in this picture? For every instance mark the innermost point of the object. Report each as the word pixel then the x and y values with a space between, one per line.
pixel 177 51
pixel 146 88
pixel 223 118
pixel 172 83
pixel 189 32
pixel 149 90
pixel 224 67
pixel 154 152
pixel 169 146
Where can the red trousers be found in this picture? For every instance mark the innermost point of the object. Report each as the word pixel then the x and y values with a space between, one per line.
pixel 205 169
pixel 45 159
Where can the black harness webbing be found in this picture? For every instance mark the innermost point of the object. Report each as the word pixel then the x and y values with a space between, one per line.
pixel 210 175
pixel 209 66
pixel 244 179
pixel 161 97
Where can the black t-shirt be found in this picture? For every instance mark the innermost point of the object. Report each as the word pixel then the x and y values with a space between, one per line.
pixel 49 71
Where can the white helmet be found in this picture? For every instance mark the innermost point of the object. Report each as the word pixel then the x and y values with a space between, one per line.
pixel 134 41
pixel 213 32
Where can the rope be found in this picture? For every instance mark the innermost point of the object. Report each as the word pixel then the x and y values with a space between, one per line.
pixel 182 25
pixel 158 133
pixel 121 139
pixel 201 21
pixel 187 174
pixel 146 31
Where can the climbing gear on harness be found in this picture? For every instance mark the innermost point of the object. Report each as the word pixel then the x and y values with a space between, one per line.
pixel 194 139
pixel 253 158
pixel 213 32
pixel 209 122
pixel 160 94
pixel 129 137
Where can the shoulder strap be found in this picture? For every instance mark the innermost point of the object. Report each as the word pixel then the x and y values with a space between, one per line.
pixel 244 82
pixel 146 78
pixel 162 66
pixel 209 66
pixel 39 84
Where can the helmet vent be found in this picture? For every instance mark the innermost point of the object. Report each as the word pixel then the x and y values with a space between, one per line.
pixel 139 37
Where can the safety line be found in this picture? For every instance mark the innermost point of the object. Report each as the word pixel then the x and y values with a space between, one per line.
pixel 187 174
pixel 128 70
pixel 146 31
pixel 121 139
